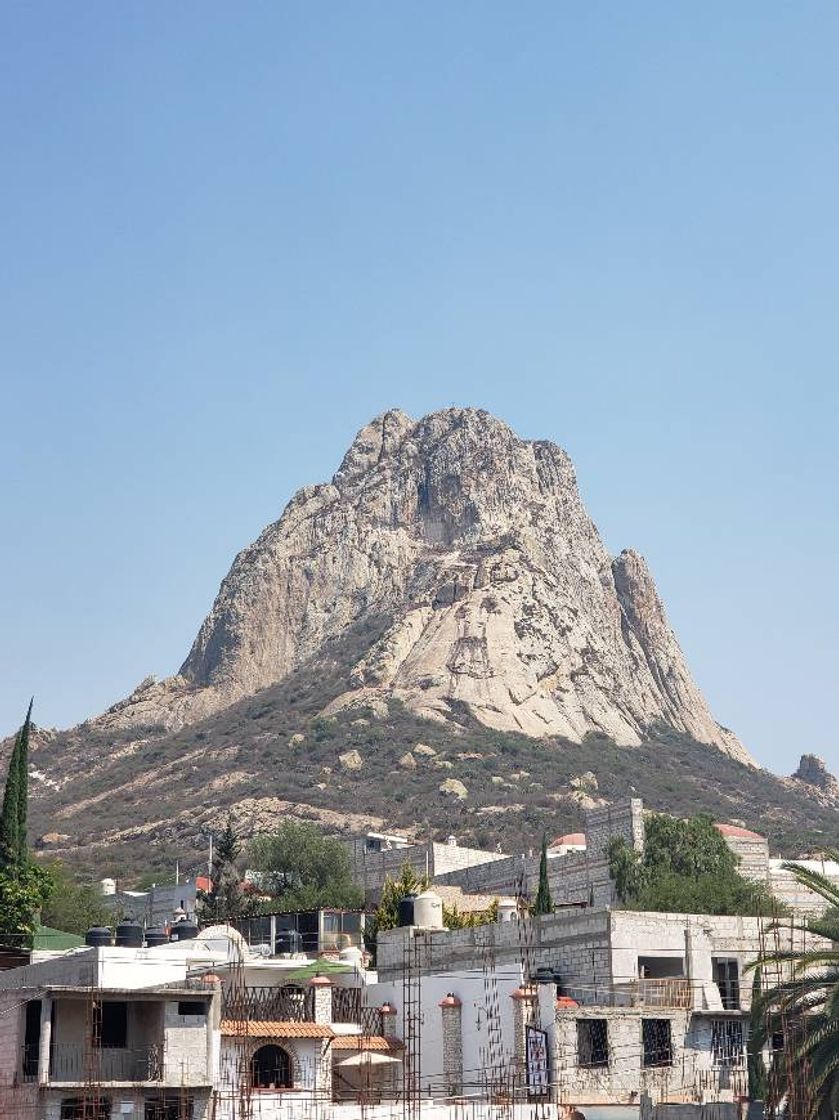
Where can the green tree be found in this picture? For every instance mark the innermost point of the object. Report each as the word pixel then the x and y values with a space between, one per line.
pixel 24 886
pixel 471 919
pixel 686 867
pixel 23 891
pixel 225 899
pixel 386 914
pixel 13 844
pixel 804 1005
pixel 303 869
pixel 544 903
pixel 73 905
pixel 758 1084
pixel 410 881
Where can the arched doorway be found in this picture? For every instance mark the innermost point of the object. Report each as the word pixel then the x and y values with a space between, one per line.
pixel 271 1068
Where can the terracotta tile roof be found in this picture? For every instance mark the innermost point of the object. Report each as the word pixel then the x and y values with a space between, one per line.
pixel 569 838
pixel 465 903
pixel 735 830
pixel 274 1028
pixel 366 1042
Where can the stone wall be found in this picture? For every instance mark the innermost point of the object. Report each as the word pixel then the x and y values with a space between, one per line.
pixel 441 861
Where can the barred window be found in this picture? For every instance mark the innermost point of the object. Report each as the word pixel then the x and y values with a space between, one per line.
pixel 657 1042
pixel 727 1042
pixel 592 1043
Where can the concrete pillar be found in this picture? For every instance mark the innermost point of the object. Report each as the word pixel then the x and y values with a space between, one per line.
pixel 44 1041
pixel 322 986
pixel 525 1001
pixel 388 1014
pixel 451 1011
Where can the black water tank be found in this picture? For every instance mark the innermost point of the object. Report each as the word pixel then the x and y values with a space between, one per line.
pixel 406 910
pixel 184 931
pixel 287 941
pixel 155 936
pixel 98 935
pixel 544 975
pixel 129 935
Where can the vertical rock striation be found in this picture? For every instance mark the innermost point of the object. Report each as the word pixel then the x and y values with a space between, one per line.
pixel 502 596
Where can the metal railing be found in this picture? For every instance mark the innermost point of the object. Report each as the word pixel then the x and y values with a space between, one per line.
pixel 264 1004
pixel 346 1005
pixel 75 1064
pixel 671 992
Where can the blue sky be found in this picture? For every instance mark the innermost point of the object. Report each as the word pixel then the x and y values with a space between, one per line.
pixel 233 234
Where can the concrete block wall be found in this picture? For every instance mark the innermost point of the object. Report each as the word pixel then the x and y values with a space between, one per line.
pixel 753 853
pixel 11 1036
pixel 370 868
pixel 625 819
pixel 186 1056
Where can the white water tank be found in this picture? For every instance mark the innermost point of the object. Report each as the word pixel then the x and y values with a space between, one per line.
pixel 351 955
pixel 428 911
pixel 507 908
pixel 108 886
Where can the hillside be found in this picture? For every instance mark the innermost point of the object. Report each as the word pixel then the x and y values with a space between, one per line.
pixel 125 804
pixel 446 590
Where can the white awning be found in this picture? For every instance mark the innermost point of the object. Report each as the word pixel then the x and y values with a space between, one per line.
pixel 367 1058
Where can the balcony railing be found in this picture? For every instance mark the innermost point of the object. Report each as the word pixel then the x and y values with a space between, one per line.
pixel 346 1005
pixel 285 1004
pixel 74 1064
pixel 671 992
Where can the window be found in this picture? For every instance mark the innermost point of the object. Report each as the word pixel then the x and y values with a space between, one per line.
pixel 592 1043
pixel 110 1025
pixel 271 1068
pixel 727 979
pixel 31 1038
pixel 195 1007
pixel 85 1108
pixel 660 968
pixel 727 1042
pixel 657 1042
pixel 168 1108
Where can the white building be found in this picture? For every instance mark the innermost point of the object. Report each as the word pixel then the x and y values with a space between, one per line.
pixel 194 1030
pixel 637 1009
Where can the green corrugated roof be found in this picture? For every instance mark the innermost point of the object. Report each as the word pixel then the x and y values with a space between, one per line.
pixel 48 938
pixel 316 968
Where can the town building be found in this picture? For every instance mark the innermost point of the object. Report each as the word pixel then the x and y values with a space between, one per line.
pixel 189 1030
pixel 635 1009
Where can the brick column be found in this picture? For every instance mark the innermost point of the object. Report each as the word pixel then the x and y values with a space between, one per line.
pixel 322 986
pixel 451 1011
pixel 524 1012
pixel 388 1015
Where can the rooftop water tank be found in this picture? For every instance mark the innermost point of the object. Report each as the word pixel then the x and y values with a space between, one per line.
pixel 155 936
pixel 428 911
pixel 129 935
pixel 507 908
pixel 351 955
pixel 184 931
pixel 405 910
pixel 98 936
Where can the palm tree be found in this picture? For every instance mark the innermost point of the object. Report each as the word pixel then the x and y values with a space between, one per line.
pixel 803 1006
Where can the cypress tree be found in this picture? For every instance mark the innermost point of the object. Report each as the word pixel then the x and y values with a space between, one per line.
pixel 23 790
pixel 544 903
pixel 756 1067
pixel 13 850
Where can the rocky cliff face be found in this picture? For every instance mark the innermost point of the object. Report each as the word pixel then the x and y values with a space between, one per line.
pixel 813 772
pixel 501 595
